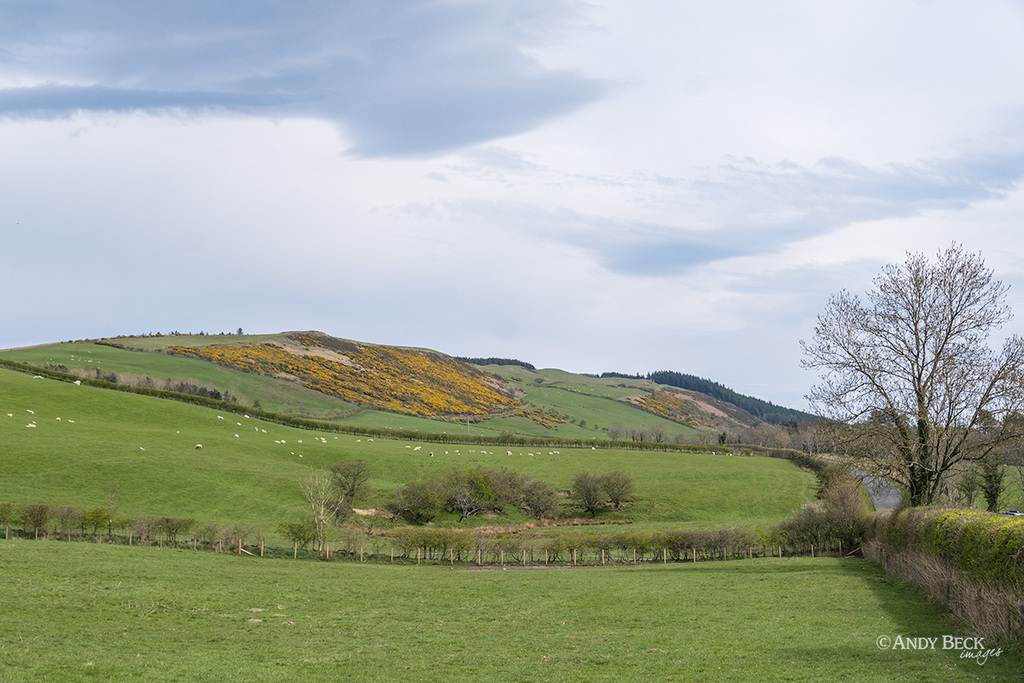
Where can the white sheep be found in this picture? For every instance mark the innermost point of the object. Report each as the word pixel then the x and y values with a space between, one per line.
pixel 199 446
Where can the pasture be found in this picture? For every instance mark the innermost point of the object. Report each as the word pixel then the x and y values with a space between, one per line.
pixel 80 611
pixel 249 471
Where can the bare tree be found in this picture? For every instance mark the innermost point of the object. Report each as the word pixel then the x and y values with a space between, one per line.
pixel 318 490
pixel 350 480
pixel 618 486
pixel 587 492
pixel 912 369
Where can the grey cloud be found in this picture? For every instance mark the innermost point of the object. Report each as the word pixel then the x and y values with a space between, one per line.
pixel 399 78
pixel 758 208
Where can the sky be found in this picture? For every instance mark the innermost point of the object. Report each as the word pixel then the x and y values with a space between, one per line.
pixel 615 185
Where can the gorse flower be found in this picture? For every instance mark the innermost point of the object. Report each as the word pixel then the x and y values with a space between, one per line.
pixel 407 381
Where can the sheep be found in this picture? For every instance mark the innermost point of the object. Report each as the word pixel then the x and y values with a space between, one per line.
pixel 220 417
pixel 199 446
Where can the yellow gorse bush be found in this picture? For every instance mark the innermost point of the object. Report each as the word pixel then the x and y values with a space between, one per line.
pixel 407 381
pixel 669 405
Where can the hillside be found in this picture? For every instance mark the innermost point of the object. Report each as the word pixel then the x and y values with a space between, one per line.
pixel 311 374
pixel 64 444
pixel 759 409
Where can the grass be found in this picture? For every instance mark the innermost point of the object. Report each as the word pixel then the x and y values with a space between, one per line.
pixel 588 405
pixel 145 446
pixel 79 612
pixel 272 393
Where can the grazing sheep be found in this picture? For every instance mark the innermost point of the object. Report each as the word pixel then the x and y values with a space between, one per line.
pixel 199 446
pixel 220 417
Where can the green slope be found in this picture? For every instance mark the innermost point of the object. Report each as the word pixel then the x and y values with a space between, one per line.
pixel 146 448
pixel 555 403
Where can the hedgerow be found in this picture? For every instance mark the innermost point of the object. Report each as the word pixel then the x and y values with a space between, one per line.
pixel 984 546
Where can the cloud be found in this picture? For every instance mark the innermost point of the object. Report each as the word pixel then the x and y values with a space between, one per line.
pixel 418 77
pixel 758 209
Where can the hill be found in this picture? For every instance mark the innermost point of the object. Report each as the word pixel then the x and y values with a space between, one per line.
pixel 762 410
pixel 311 374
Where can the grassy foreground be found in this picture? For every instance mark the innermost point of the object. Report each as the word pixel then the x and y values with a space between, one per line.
pixel 79 611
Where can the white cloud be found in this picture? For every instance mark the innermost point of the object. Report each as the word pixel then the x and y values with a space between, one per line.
pixel 615 186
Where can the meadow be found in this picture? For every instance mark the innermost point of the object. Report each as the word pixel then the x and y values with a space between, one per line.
pixel 83 612
pixel 249 471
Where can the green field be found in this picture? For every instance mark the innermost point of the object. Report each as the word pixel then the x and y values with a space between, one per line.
pixel 146 448
pixel 82 611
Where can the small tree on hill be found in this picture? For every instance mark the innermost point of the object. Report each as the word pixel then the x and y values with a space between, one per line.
pixel 540 499
pixel 468 492
pixel 618 486
pixel 319 491
pixel 68 517
pixel 301 534
pixel 587 492
pixel 36 516
pixel 417 501
pixel 350 480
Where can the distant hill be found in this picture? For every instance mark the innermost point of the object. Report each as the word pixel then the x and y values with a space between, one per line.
pixel 314 375
pixel 762 410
